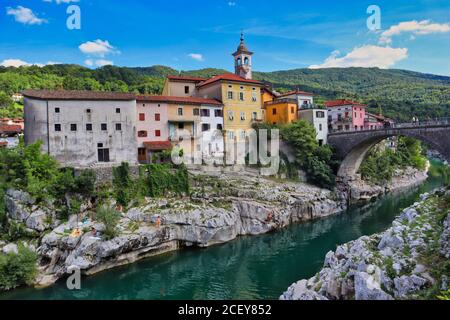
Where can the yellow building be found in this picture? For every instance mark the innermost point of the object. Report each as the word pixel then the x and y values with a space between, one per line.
pixel 282 111
pixel 241 100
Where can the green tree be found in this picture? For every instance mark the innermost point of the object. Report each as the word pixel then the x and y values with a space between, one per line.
pixel 122 183
pixel 17 269
pixel 110 218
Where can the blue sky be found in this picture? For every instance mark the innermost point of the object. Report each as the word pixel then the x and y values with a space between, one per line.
pixel 414 35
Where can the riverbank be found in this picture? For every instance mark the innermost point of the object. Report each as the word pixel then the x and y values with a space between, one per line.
pixel 360 191
pixel 239 269
pixel 220 209
pixel 408 261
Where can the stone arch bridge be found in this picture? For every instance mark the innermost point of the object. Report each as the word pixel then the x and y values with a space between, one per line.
pixel 353 146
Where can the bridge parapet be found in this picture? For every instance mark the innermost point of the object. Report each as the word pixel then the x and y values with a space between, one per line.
pixel 353 146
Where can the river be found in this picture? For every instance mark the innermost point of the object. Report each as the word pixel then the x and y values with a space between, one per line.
pixel 260 267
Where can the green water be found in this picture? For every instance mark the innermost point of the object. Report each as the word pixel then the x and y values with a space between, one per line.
pixel 261 267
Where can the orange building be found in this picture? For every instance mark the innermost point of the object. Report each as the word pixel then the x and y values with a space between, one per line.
pixel 281 111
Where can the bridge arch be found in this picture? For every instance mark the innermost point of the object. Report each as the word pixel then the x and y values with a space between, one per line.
pixel 353 147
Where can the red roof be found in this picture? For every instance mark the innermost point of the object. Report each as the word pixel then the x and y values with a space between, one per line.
pixel 297 92
pixel 186 78
pixel 179 100
pixel 229 77
pixel 10 128
pixel 78 95
pixel 342 102
pixel 158 145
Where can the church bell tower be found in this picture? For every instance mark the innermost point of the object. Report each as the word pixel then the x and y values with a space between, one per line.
pixel 243 60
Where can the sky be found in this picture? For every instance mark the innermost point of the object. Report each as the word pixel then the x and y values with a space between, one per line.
pixel 187 35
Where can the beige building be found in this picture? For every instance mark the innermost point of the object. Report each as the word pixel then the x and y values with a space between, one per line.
pixel 82 128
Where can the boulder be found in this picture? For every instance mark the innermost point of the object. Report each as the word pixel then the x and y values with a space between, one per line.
pixel 406 285
pixel 38 221
pixel 368 288
pixel 10 248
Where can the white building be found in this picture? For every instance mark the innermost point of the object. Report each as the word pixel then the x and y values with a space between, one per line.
pixel 211 127
pixel 318 118
pixel 82 128
pixel 304 99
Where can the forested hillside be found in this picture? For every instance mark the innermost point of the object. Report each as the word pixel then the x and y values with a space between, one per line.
pixel 397 93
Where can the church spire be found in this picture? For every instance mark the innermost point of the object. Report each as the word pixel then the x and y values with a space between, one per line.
pixel 243 60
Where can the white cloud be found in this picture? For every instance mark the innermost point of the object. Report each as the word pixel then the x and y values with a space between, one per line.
pixel 196 56
pixel 62 1
pixel 14 63
pixel 231 3
pixel 24 15
pixel 98 63
pixel 102 62
pixel 97 48
pixel 20 63
pixel 414 27
pixel 367 56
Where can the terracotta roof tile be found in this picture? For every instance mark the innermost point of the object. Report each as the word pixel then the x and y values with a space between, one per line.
pixel 186 78
pixel 10 128
pixel 78 95
pixel 181 100
pixel 342 102
pixel 229 77
pixel 158 145
pixel 297 92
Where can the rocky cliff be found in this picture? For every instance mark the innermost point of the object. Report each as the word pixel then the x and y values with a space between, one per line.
pixel 408 261
pixel 220 209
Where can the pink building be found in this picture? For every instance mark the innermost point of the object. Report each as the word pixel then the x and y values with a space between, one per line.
pixel 151 128
pixel 345 115
pixel 374 122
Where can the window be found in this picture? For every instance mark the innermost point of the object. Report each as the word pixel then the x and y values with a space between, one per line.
pixel 254 96
pixel 196 112
pixel 330 118
pixel 230 134
pixel 230 95
pixel 157 117
pixel 88 126
pixel 141 116
pixel 241 96
pixel 254 116
pixel 242 116
pixel 230 115
pixel 320 127
pixel 242 88
pixel 206 113
pixel 180 111
pixel 157 133
pixel 292 110
pixel 73 127
pixel 103 155
pixel 57 110
pixel 347 127
pixel 274 111
pixel 143 104
pixel 246 61
pixel 321 115
pixel 58 127
pixel 117 110
pixel 104 127
pixel 142 134
pixel 118 127
pixel 88 110
pixel 242 134
pixel 347 115
pixel 239 61
pixel 206 127
pixel 181 126
pixel 320 142
pixel 339 117
pixel 218 113
pixel 219 127
pixel 186 89
pixel 99 145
